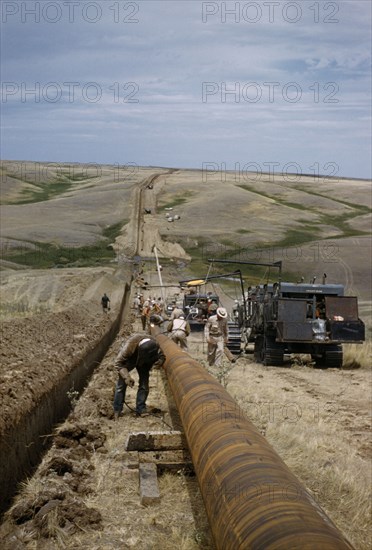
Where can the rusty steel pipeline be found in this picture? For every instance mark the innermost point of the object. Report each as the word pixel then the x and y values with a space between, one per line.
pixel 252 499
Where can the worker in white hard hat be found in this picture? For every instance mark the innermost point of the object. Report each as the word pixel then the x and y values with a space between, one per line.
pixel 216 335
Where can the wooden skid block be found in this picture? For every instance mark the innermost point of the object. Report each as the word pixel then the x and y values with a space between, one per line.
pixel 130 459
pixel 168 460
pixel 149 489
pixel 155 441
pixel 164 460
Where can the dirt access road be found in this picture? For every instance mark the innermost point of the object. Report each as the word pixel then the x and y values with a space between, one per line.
pixel 141 233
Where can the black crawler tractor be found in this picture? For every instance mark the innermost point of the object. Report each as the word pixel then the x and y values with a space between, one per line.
pixel 302 318
pixel 309 318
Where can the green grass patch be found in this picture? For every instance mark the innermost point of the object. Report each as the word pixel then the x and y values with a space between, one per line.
pixel 342 224
pixel 112 231
pixel 79 176
pixel 251 274
pixel 47 255
pixel 177 200
pixel 267 253
pixel 339 221
pixel 199 266
pixel 360 208
pixel 199 254
pixel 44 191
pixel 275 198
pixel 297 237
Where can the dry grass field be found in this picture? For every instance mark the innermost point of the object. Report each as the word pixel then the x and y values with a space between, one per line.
pixel 70 233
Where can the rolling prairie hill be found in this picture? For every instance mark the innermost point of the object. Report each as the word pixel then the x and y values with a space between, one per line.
pixel 83 216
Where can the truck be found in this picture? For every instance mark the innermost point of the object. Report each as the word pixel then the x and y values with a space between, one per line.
pixel 195 308
pixel 308 318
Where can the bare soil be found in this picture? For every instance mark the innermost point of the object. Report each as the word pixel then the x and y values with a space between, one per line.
pixel 38 352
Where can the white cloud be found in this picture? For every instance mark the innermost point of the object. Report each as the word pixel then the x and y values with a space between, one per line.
pixel 168 54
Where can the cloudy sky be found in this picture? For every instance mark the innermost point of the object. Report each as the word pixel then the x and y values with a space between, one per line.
pixel 266 85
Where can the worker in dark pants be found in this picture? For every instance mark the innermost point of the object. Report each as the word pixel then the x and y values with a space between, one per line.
pixel 140 352
pixel 105 301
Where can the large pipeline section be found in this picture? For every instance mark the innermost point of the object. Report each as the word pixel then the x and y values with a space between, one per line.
pixel 252 499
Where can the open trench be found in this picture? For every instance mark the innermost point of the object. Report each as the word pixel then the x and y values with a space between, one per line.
pixel 23 446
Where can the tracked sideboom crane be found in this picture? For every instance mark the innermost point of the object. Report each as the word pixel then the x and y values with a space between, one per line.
pixel 312 318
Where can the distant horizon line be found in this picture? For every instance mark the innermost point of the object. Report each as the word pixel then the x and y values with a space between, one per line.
pixel 230 171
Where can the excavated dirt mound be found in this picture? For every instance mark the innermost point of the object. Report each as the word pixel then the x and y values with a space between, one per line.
pixel 39 351
pixel 86 481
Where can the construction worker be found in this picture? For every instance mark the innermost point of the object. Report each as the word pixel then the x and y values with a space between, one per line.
pixel 155 320
pixel 145 313
pixel 176 311
pixel 137 304
pixel 155 308
pixel 140 352
pixel 105 300
pixel 179 330
pixel 160 303
pixel 216 335
pixel 212 307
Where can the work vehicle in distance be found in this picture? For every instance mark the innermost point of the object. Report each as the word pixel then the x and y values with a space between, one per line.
pixel 198 306
pixel 311 318
pixel 195 307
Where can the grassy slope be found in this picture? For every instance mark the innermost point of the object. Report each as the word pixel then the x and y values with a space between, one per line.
pixel 221 218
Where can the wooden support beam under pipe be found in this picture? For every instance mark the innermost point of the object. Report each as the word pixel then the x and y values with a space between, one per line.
pixel 252 499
